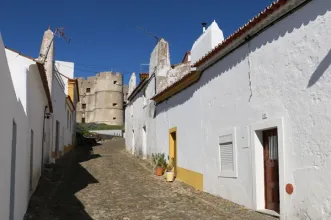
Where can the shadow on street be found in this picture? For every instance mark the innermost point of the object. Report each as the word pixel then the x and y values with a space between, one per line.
pixel 55 197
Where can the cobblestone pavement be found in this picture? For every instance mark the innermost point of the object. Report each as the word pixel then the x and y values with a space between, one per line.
pixel 112 184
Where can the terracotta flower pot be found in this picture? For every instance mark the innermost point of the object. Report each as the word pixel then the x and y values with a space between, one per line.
pixel 159 171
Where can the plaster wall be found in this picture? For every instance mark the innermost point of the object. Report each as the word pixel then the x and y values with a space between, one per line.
pixel 283 73
pixel 59 114
pixel 25 100
pixel 140 115
pixel 67 69
pixel 206 42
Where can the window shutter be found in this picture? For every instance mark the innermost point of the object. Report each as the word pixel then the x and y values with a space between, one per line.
pixel 227 163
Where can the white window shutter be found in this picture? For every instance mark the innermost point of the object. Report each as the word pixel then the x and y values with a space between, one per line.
pixel 227 157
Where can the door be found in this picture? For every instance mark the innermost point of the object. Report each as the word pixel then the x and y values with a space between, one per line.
pixel 271 174
pixel 57 138
pixel 144 143
pixel 12 174
pixel 173 147
pixel 31 160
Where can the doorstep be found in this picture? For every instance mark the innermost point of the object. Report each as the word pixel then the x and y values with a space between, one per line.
pixel 269 212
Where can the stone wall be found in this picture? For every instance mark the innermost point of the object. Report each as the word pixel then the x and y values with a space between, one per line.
pixel 101 99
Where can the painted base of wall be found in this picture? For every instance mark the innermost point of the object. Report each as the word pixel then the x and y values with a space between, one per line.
pixel 190 177
pixel 68 148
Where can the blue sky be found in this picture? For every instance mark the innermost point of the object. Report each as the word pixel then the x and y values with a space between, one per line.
pixel 105 34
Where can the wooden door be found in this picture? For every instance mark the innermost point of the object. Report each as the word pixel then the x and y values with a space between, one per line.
pixel 271 174
pixel 173 147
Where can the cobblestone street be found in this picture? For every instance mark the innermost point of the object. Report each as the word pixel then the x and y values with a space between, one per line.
pixel 111 184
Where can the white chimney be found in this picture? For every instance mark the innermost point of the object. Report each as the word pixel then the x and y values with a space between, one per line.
pixel 204 24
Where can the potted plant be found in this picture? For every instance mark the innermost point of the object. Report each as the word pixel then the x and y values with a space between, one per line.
pixel 170 174
pixel 159 163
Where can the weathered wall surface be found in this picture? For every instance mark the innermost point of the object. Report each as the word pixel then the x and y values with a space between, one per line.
pixel 283 73
pixel 104 102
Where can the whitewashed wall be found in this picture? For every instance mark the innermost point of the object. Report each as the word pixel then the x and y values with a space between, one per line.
pixel 59 113
pixel 141 115
pixel 27 110
pixel 284 73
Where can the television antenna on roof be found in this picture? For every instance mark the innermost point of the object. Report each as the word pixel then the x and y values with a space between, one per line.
pixel 157 38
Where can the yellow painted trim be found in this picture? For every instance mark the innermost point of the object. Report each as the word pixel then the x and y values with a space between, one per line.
pixel 53 154
pixel 178 86
pixel 190 177
pixel 171 130
pixel 173 147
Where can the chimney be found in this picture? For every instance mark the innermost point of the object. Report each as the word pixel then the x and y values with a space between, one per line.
pixel 204 24
pixel 46 55
pixel 143 76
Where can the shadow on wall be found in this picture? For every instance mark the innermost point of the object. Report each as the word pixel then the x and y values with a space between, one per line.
pixel 322 67
pixel 316 9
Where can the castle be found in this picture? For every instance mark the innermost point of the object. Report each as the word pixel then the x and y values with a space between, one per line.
pixel 101 99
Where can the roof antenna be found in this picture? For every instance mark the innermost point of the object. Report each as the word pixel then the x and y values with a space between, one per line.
pixel 157 38
pixel 59 32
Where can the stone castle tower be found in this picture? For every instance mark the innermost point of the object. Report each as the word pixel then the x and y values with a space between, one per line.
pixel 101 99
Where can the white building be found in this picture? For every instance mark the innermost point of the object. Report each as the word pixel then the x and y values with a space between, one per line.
pixel 250 122
pixel 25 101
pixel 37 117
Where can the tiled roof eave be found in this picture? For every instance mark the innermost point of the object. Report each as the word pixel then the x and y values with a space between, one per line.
pixel 275 11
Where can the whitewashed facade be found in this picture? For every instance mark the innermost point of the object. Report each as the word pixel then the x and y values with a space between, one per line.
pixel 279 78
pixel 24 102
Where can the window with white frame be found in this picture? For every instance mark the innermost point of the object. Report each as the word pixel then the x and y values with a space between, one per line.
pixel 227 154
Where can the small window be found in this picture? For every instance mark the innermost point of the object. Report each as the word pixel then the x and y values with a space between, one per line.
pixel 114 104
pixel 83 106
pixel 227 154
pixel 83 120
pixel 115 82
pixel 88 90
pixel 114 118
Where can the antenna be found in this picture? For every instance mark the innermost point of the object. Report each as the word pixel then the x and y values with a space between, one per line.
pixel 59 32
pixel 157 38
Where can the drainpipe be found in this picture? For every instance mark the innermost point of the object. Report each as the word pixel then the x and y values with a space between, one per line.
pixel 43 138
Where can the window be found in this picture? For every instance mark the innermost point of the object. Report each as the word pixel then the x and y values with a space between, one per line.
pixel 67 119
pixel 88 90
pixel 114 104
pixel 115 82
pixel 83 106
pixel 83 120
pixel 227 154
pixel 114 118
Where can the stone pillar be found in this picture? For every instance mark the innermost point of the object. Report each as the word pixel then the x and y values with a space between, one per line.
pixel 47 51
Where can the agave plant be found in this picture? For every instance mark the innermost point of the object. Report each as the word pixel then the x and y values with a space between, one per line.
pixel 158 160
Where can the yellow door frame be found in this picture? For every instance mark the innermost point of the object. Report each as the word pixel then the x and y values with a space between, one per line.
pixel 173 146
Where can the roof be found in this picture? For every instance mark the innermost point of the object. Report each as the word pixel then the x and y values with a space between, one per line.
pixel 178 86
pixel 42 73
pixel 186 56
pixel 245 29
pixel 72 108
pixel 232 43
pixel 138 88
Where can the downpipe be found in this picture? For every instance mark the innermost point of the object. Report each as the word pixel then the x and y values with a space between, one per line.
pixel 46 116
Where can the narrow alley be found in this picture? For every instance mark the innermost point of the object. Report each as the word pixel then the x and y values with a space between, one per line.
pixel 107 183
